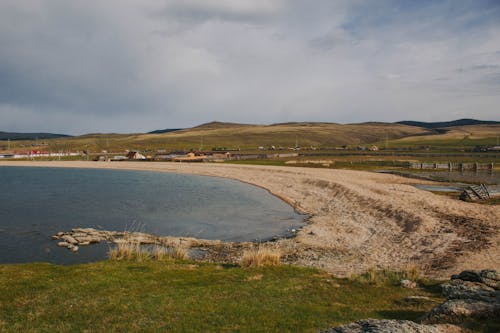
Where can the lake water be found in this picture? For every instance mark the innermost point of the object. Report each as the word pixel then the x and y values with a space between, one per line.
pixel 36 203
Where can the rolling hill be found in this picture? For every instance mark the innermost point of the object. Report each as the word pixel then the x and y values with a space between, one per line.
pixel 453 123
pixel 30 136
pixel 283 135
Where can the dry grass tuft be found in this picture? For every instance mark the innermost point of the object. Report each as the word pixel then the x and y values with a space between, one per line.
pixel 159 253
pixel 128 251
pixel 255 277
pixel 412 272
pixel 133 251
pixel 260 257
pixel 178 253
pixel 384 276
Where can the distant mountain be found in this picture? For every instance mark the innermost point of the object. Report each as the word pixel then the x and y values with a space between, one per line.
pixel 167 130
pixel 219 125
pixel 30 136
pixel 459 122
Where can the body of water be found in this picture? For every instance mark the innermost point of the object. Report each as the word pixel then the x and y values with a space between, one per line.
pixel 36 203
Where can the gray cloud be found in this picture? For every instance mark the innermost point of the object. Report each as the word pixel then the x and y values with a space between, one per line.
pixel 122 66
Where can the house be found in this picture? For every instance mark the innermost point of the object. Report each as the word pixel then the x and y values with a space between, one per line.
pixel 135 155
pixel 190 157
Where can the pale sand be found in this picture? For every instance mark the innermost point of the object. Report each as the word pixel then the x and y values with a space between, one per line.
pixel 359 220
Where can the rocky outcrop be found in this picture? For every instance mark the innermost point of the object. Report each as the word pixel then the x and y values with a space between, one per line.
pixel 200 249
pixel 392 326
pixel 470 295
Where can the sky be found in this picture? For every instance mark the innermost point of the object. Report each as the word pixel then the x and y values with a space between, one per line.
pixel 122 66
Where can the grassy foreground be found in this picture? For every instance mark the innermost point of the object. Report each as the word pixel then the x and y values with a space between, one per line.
pixel 182 296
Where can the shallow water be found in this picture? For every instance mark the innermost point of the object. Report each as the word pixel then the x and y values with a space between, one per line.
pixel 464 176
pixel 35 203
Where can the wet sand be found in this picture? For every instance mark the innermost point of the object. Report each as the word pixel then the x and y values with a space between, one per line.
pixel 359 220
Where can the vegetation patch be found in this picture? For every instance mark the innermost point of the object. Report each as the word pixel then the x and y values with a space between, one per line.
pixel 261 257
pixel 182 296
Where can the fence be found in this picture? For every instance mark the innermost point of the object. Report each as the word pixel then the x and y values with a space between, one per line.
pixel 452 166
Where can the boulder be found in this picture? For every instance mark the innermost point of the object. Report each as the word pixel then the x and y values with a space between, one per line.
pixel 458 289
pixel 469 295
pixel 69 239
pixel 457 311
pixel 471 276
pixel 491 278
pixel 62 244
pixel 408 284
pixel 393 326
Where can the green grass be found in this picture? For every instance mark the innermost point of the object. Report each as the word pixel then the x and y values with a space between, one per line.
pixel 181 296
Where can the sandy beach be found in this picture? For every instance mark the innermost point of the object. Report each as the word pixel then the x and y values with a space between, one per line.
pixel 358 220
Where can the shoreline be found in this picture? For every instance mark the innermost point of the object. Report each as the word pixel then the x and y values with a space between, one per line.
pixel 358 220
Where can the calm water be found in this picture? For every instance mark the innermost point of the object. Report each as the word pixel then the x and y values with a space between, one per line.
pixel 35 203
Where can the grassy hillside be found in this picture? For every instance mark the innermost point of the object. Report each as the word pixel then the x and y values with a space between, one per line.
pixel 459 136
pixel 175 296
pixel 250 137
pixel 239 136
pixel 458 122
pixel 30 136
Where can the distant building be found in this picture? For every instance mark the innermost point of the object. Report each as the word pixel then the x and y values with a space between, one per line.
pixel 135 155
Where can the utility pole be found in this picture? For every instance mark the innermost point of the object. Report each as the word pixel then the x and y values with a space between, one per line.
pixel 8 143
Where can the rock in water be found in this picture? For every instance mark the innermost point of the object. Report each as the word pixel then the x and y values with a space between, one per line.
pixel 69 239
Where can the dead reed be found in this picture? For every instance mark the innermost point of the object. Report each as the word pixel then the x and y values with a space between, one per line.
pixel 385 276
pixel 260 257
pixel 133 251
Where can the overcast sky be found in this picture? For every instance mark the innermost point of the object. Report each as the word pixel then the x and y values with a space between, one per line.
pixel 131 66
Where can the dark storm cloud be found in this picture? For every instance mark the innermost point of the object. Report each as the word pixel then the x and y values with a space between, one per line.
pixel 87 66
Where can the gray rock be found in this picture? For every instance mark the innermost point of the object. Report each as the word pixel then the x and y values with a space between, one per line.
pixel 471 276
pixel 392 326
pixel 491 278
pixel 63 244
pixel 470 295
pixel 490 274
pixel 459 289
pixel 408 284
pixel 69 239
pixel 456 311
